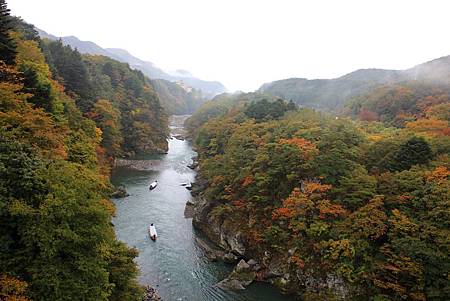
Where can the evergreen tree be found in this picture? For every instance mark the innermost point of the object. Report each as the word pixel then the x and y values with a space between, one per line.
pixel 40 91
pixel 69 67
pixel 265 109
pixel 27 31
pixel 414 151
pixel 356 188
pixel 7 45
pixel 291 106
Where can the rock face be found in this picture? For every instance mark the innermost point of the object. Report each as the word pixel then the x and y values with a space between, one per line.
pixel 151 294
pixel 138 164
pixel 226 234
pixel 120 192
pixel 230 258
pixel 273 266
pixel 189 209
pixel 211 253
pixel 242 276
pixel 194 164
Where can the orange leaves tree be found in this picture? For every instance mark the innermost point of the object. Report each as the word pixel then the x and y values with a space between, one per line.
pixel 52 200
pixel 307 216
pixel 12 289
pixel 323 195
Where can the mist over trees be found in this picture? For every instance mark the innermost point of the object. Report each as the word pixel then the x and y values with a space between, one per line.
pixel 338 188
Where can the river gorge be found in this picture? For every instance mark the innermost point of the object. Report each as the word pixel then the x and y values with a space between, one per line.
pixel 175 264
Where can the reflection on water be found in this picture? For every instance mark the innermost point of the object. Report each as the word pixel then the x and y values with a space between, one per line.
pixel 173 264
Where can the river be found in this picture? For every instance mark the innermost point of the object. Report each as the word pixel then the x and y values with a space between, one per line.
pixel 174 264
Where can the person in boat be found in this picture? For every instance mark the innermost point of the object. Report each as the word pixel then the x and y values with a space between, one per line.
pixel 152 233
pixel 153 185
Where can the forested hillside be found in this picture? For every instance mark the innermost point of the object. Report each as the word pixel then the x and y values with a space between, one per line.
pixel 223 103
pixel 176 98
pixel 164 80
pixel 122 101
pixel 330 207
pixel 412 104
pixel 332 94
pixel 63 117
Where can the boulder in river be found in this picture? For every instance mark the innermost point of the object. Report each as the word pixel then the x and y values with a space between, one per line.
pixel 242 276
pixel 193 165
pixel 120 192
pixel 178 137
pixel 242 266
pixel 231 284
pixel 151 294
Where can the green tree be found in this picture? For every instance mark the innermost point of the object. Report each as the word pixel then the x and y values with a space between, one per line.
pixel 71 70
pixel 264 109
pixel 40 91
pixel 356 188
pixel 414 151
pixel 108 119
pixel 55 220
pixel 7 44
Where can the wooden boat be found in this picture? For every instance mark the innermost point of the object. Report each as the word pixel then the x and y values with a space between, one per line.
pixel 188 186
pixel 153 185
pixel 152 232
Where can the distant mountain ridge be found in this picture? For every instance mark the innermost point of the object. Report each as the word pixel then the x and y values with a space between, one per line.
pixel 209 88
pixel 329 94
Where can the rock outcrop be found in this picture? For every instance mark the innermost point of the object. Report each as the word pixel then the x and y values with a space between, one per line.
pixel 120 192
pixel 194 164
pixel 243 275
pixel 213 254
pixel 273 266
pixel 189 209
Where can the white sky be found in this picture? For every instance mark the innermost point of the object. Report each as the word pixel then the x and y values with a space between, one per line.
pixel 245 43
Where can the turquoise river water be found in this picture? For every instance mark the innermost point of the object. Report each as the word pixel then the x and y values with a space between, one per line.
pixel 174 264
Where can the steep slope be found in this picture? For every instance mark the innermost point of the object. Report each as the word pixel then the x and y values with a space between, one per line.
pixel 119 99
pixel 400 104
pixel 176 98
pixel 221 105
pixel 58 241
pixel 208 88
pixel 436 71
pixel 331 94
pixel 148 68
pixel 329 209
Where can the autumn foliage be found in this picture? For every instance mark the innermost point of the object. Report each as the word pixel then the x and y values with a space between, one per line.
pixel 364 202
pixel 12 289
pixel 57 240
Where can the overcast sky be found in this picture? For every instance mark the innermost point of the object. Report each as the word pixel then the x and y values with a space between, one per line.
pixel 244 43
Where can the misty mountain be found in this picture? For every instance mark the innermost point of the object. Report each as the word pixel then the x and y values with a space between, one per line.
pixel 208 88
pixel 176 98
pixel 331 94
pixel 148 68
pixel 436 71
pixel 180 73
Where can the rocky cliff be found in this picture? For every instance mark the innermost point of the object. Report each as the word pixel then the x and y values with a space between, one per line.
pixel 228 241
